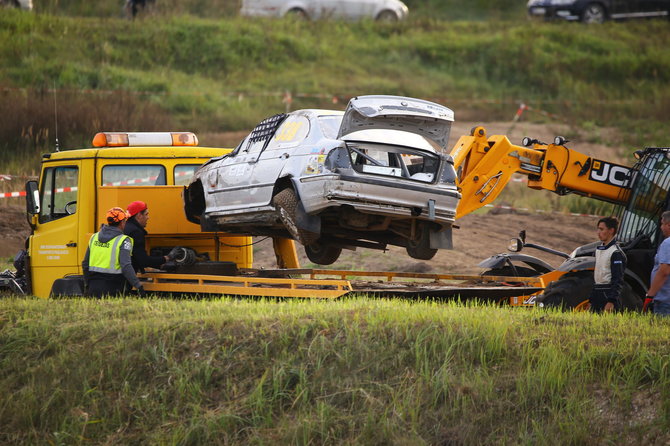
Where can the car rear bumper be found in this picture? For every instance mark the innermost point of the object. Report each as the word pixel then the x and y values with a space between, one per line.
pixel 380 197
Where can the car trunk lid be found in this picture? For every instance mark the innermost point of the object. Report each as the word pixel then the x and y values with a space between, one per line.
pixel 428 119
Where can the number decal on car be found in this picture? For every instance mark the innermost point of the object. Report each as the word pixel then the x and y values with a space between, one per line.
pixel 288 131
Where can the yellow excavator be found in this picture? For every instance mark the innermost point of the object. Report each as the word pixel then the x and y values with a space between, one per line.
pixel 485 165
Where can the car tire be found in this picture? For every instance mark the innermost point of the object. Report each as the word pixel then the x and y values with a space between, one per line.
pixel 296 14
pixel 569 292
pixel 387 16
pixel 594 13
pixel 420 248
pixel 322 254
pixel 286 203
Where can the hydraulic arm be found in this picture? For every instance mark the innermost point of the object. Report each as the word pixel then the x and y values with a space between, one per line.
pixel 485 166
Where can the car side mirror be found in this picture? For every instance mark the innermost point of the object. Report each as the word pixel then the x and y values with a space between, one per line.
pixel 515 245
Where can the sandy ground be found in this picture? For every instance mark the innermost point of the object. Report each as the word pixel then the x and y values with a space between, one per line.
pixel 478 237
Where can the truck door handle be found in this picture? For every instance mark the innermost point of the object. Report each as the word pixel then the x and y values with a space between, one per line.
pixel 284 156
pixel 71 245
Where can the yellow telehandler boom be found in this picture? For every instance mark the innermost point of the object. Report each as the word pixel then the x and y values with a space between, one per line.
pixel 485 165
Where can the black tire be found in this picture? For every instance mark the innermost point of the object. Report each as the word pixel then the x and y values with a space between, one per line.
pixel 420 248
pixel 594 13
pixel 387 16
pixel 296 14
pixel 286 203
pixel 322 254
pixel 630 300
pixel 568 292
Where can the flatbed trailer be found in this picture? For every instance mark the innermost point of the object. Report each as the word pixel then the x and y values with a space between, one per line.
pixel 332 284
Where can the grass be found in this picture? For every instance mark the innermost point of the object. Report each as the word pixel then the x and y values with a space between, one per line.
pixel 227 74
pixel 358 371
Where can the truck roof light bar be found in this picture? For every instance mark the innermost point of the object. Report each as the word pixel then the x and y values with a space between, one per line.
pixel 127 139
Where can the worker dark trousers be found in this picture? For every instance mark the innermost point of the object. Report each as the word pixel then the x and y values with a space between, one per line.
pixel 100 287
pixel 598 301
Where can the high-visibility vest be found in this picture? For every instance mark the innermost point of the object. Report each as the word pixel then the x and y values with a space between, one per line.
pixel 104 256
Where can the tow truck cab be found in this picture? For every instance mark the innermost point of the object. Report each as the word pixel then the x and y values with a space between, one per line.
pixel 77 187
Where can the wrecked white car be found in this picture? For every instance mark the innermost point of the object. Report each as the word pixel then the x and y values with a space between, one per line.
pixel 376 175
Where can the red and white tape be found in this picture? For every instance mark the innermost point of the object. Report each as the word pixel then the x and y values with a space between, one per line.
pixel 12 194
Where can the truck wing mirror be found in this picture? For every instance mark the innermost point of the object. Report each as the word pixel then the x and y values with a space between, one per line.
pixel 32 198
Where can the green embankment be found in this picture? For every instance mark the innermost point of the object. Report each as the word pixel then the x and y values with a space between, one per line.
pixel 356 371
pixel 224 74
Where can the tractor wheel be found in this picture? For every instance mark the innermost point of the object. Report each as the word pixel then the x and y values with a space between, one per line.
pixel 286 203
pixel 420 248
pixel 569 292
pixel 322 254
pixel 630 300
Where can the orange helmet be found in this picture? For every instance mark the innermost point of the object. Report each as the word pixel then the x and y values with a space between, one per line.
pixel 116 215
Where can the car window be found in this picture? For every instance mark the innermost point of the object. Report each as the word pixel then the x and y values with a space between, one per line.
pixel 394 161
pixel 259 137
pixel 292 132
pixel 133 175
pixel 330 125
pixel 58 192
pixel 183 173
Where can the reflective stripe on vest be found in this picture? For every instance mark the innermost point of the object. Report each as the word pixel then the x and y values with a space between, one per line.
pixel 104 256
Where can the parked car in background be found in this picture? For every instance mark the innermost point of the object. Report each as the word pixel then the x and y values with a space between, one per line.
pixel 597 11
pixel 23 4
pixel 377 174
pixel 385 10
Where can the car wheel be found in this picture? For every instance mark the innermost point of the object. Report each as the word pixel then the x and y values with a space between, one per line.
pixel 420 248
pixel 322 254
pixel 569 292
pixel 387 16
pixel 286 203
pixel 594 13
pixel 297 14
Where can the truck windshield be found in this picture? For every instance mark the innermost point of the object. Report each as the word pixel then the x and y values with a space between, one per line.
pixel 642 213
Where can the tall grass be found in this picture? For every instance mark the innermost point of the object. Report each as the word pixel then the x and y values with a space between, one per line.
pixel 358 371
pixel 227 74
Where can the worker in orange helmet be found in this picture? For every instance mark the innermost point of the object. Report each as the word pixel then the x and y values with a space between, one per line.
pixel 138 213
pixel 108 270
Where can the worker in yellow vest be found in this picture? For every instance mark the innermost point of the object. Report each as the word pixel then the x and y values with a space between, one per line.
pixel 108 270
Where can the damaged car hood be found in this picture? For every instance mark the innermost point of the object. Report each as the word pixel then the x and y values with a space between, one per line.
pixel 424 118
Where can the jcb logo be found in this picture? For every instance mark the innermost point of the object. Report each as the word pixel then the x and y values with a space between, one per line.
pixel 608 173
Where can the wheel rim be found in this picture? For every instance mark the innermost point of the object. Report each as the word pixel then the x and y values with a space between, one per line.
pixel 594 14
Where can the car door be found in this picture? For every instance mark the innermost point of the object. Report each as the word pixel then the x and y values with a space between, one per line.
pixel 278 156
pixel 233 182
pixel 653 8
pixel 54 249
pixel 330 9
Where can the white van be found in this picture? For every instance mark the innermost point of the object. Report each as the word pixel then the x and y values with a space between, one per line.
pixel 387 10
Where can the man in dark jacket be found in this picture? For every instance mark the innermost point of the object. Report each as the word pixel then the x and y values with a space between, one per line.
pixel 108 270
pixel 139 216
